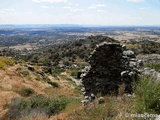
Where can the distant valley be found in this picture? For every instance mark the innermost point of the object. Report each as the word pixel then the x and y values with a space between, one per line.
pixel 42 68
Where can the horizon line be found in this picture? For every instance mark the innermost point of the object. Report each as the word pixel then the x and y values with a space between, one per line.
pixel 94 25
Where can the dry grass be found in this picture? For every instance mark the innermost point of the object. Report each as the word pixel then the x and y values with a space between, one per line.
pixel 114 108
pixel 131 46
pixel 11 82
pixel 121 90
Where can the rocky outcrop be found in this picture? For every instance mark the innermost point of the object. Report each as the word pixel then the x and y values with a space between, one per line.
pixel 152 73
pixel 149 58
pixel 111 65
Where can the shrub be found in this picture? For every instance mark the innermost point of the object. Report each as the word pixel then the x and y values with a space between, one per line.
pixel 24 73
pixel 57 71
pixel 26 92
pixel 36 67
pixel 77 89
pixel 54 84
pixel 148 96
pixel 7 61
pixel 2 65
pixel 74 72
pixel 18 69
pixel 4 61
pixel 39 104
pixel 20 61
pixel 38 78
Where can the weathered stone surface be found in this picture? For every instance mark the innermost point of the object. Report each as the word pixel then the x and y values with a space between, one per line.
pixel 110 66
pixel 151 73
pixel 129 53
pixel 101 100
pixel 158 76
pixel 31 68
pixel 84 102
pixel 149 58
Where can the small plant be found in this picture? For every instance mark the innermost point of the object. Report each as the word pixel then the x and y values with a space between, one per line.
pixel 25 92
pixel 20 61
pixel 77 89
pixel 54 84
pixel 148 95
pixel 18 69
pixel 74 72
pixel 2 65
pixel 38 78
pixel 57 71
pixel 24 73
pixel 36 67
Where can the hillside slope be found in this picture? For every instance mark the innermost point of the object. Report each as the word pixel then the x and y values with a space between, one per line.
pixel 20 82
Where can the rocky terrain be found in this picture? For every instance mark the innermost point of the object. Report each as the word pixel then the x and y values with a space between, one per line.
pixel 46 91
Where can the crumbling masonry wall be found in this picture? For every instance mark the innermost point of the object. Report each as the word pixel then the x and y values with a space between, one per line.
pixel 110 66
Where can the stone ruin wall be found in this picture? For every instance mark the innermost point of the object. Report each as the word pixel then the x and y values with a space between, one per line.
pixel 111 65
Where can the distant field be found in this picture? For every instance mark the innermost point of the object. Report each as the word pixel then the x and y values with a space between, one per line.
pixel 22 35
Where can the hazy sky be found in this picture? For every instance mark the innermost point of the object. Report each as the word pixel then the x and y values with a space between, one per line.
pixel 100 12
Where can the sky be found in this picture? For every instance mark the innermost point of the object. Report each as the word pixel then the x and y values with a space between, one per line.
pixel 85 12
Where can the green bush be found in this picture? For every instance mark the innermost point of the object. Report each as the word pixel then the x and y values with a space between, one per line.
pixel 4 61
pixel 7 61
pixel 74 72
pixel 57 71
pixel 54 84
pixel 148 96
pixel 35 105
pixel 25 92
pixel 2 65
